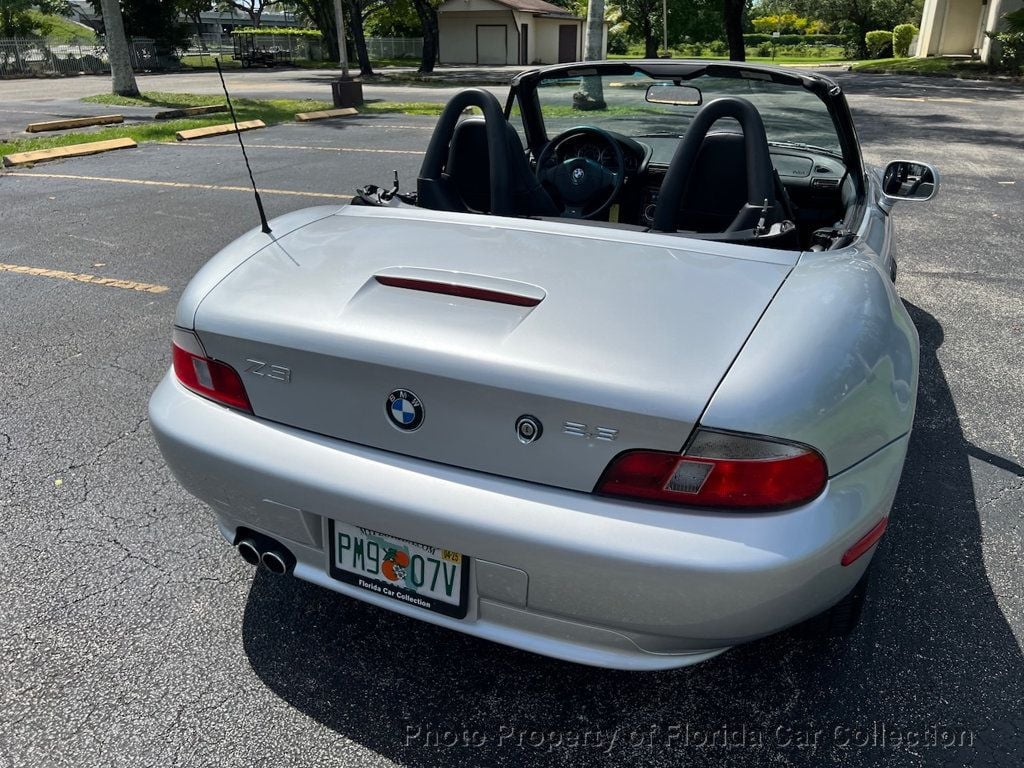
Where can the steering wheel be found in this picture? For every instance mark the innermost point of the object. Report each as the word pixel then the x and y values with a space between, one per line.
pixel 580 181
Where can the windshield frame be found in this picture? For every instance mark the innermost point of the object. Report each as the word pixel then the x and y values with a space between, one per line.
pixel 524 90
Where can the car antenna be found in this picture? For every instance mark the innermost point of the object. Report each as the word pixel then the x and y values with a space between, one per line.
pixel 238 133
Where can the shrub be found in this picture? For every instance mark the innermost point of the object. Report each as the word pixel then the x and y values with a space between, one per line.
pixel 1011 52
pixel 283 31
pixel 718 48
pixel 764 49
pixel 618 43
pixel 879 42
pixel 757 39
pixel 902 36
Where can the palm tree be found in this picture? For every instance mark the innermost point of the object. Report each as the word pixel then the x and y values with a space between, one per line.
pixel 117 50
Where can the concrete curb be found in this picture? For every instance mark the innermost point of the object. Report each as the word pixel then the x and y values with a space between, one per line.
pixel 73 122
pixel 72 150
pixel 171 114
pixel 325 114
pixel 218 130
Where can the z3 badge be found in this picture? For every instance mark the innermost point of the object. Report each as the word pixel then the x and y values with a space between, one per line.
pixel 404 410
pixel 275 372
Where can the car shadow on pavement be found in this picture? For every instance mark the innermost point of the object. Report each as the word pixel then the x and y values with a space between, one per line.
pixel 933 676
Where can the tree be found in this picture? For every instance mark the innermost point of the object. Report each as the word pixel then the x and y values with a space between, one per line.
pixel 355 15
pixel 392 18
pixel 591 92
pixel 426 10
pixel 252 8
pixel 320 13
pixel 733 18
pixel 852 18
pixel 16 21
pixel 123 79
pixel 644 18
pixel 155 19
pixel 697 21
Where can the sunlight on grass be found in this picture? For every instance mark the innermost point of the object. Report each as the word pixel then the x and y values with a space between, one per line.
pixel 270 111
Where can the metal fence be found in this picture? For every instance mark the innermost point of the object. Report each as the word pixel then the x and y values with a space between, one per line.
pixel 288 47
pixel 28 57
pixel 394 47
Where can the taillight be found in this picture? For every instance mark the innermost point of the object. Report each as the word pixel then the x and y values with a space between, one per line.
pixel 721 470
pixel 210 378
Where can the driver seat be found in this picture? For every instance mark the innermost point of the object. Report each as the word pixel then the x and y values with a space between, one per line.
pixel 477 165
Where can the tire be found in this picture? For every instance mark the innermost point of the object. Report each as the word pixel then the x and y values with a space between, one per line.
pixel 841 619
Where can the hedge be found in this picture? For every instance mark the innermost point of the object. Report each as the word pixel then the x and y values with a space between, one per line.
pixel 902 36
pixel 879 42
pixel 756 39
pixel 283 31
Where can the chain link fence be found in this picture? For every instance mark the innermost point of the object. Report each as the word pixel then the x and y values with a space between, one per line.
pixel 29 57
pixel 394 47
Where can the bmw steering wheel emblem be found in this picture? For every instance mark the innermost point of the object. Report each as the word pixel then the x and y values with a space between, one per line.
pixel 577 175
pixel 404 410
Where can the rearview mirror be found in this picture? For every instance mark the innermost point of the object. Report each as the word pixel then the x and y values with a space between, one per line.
pixel 906 180
pixel 676 95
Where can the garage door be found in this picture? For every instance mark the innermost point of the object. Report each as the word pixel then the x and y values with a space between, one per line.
pixel 491 44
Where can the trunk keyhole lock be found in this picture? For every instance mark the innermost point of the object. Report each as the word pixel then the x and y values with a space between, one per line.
pixel 528 429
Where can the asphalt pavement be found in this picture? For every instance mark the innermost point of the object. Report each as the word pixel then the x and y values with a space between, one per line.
pixel 133 636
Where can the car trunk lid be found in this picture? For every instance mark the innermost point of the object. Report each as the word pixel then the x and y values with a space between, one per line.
pixel 609 340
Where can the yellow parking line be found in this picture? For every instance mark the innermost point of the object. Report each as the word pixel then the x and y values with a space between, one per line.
pixel 113 282
pixel 182 185
pixel 254 145
pixel 949 100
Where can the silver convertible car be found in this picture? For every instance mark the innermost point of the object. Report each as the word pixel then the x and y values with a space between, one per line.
pixel 626 381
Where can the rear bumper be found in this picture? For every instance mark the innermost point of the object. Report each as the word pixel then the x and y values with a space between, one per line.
pixel 561 573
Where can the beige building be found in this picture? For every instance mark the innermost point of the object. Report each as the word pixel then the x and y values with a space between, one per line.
pixel 510 32
pixel 958 27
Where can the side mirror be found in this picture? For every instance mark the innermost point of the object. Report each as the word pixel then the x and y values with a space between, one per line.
pixel 906 180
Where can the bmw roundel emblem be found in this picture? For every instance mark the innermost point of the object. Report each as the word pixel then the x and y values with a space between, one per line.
pixel 404 410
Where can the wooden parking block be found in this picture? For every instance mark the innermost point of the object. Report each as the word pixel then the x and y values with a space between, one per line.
pixel 303 117
pixel 172 114
pixel 72 150
pixel 73 122
pixel 218 130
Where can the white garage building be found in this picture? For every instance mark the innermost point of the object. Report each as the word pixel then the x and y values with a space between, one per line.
pixel 509 32
pixel 958 27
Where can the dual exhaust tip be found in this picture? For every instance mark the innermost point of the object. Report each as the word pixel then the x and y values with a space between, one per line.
pixel 268 553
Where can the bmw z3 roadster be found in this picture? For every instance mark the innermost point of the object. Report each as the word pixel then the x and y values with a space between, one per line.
pixel 625 381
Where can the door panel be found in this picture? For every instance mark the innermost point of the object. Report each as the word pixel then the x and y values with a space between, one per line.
pixel 491 44
pixel 566 43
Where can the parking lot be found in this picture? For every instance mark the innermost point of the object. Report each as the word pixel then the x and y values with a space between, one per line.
pixel 131 634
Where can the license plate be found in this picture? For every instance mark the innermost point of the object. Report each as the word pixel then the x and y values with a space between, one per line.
pixel 416 574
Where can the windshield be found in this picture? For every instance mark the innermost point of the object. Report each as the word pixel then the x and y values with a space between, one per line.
pixel 619 103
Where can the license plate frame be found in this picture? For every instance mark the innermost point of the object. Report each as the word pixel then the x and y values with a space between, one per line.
pixel 391 590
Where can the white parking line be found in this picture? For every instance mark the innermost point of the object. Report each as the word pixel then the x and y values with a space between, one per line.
pixel 253 145
pixel 182 185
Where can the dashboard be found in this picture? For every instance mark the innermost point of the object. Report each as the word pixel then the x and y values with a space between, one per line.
pixel 813 179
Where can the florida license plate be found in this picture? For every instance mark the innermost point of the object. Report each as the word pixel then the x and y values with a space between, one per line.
pixel 413 573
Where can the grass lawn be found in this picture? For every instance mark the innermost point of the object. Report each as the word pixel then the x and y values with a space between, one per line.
pixel 60 29
pixel 933 65
pixel 779 60
pixel 269 111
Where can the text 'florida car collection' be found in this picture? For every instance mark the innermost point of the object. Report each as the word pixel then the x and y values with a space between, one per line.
pixel 626 382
